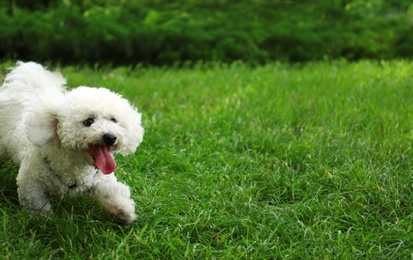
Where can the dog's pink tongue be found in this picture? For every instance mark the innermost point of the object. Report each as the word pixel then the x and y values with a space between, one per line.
pixel 103 160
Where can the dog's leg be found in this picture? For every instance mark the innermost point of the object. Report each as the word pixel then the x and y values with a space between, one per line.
pixel 32 192
pixel 115 199
pixel 32 196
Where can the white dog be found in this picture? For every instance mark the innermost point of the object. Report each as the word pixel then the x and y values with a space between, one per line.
pixel 63 140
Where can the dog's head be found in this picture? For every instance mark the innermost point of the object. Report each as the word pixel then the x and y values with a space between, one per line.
pixel 95 121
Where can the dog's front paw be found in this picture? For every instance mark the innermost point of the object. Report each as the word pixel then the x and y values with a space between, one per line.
pixel 34 203
pixel 123 213
pixel 115 199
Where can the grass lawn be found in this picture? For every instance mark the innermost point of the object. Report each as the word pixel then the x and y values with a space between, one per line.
pixel 279 161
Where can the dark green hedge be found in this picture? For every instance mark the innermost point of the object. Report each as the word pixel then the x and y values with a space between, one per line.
pixel 170 32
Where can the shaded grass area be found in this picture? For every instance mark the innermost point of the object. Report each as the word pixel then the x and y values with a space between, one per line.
pixel 293 161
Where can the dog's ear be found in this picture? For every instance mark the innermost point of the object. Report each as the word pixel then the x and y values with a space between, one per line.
pixel 40 120
pixel 134 131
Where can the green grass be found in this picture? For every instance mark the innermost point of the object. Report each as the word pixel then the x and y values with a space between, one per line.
pixel 278 161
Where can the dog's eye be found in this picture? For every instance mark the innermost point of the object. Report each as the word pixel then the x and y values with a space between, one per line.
pixel 88 122
pixel 113 120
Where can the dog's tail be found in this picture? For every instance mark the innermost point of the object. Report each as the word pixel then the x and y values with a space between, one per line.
pixel 32 78
pixel 27 82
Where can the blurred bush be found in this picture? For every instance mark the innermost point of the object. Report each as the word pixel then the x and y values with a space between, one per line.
pixel 173 32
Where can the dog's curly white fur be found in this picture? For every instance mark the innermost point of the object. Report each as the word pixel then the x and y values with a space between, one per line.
pixel 63 140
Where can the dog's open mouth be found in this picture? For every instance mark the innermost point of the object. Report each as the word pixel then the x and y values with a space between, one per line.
pixel 103 159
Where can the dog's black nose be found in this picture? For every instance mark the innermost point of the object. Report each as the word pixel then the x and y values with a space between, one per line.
pixel 109 139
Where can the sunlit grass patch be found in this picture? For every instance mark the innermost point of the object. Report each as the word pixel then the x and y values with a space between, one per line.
pixel 294 161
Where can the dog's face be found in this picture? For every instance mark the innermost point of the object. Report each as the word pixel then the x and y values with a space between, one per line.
pixel 97 122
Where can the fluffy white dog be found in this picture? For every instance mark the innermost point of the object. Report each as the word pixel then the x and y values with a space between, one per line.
pixel 63 140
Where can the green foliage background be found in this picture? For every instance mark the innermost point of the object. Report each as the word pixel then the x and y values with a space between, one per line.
pixel 170 32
